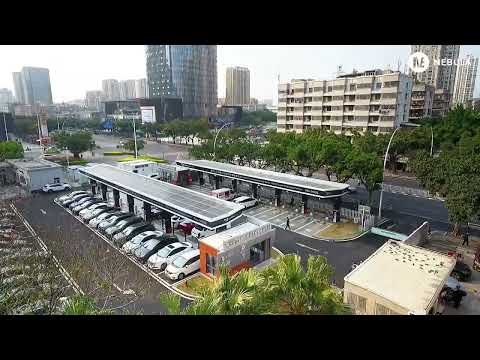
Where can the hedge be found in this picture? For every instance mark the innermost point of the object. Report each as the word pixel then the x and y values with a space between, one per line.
pixel 117 153
pixel 144 157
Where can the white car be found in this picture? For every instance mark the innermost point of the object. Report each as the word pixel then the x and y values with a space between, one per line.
pixel 166 255
pixel 130 246
pixel 49 188
pixel 94 222
pixel 83 213
pixel 245 201
pixel 67 197
pixel 184 265
pixel 199 232
pixel 176 220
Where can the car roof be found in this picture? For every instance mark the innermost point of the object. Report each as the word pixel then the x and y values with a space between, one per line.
pixel 241 198
pixel 150 232
pixel 188 254
pixel 175 245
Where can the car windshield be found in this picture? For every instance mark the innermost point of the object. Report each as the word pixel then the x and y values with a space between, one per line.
pixel 180 261
pixel 121 223
pixel 150 244
pixel 199 228
pixel 165 251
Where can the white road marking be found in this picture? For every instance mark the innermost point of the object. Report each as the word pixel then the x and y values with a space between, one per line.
pixel 307 247
pixel 274 217
pixel 297 217
pixel 309 223
pixel 261 212
pixel 43 211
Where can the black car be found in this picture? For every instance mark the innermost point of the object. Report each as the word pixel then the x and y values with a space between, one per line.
pixel 75 198
pixel 129 232
pixel 121 225
pixel 151 246
pixel 461 271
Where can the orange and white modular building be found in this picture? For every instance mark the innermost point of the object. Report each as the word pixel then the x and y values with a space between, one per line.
pixel 243 246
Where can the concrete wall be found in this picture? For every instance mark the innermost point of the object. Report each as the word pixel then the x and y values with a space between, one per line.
pixel 419 236
pixel 36 179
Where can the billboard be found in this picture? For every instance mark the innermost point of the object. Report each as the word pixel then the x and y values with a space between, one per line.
pixel 43 125
pixel 148 114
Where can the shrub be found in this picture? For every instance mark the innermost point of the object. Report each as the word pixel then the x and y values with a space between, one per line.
pixel 116 153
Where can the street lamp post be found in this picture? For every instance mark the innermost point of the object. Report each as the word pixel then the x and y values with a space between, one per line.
pixel 431 146
pixel 5 125
pixel 135 138
pixel 383 174
pixel 215 141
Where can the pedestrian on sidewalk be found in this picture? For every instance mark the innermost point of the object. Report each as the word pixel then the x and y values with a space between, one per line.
pixel 465 238
pixel 287 224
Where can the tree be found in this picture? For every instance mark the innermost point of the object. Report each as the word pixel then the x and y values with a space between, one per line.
pixel 76 143
pixel 130 145
pixel 10 150
pixel 368 168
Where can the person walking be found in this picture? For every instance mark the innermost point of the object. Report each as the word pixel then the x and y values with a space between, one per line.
pixel 465 238
pixel 287 224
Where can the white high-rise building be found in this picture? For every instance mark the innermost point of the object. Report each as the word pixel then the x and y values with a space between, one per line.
pixel 376 101
pixel 127 89
pixel 238 86
pixel 6 96
pixel 465 81
pixel 93 100
pixel 141 88
pixel 111 89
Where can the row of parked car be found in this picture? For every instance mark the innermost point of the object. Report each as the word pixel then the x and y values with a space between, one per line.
pixel 135 237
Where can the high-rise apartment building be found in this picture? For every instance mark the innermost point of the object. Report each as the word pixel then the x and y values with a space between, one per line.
pixel 442 70
pixel 141 89
pixel 376 101
pixel 93 100
pixel 18 86
pixel 6 96
pixel 111 89
pixel 127 89
pixel 238 86
pixel 465 81
pixel 421 104
pixel 32 86
pixel 187 71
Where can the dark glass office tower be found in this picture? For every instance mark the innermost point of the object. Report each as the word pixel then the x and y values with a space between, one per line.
pixel 36 86
pixel 187 71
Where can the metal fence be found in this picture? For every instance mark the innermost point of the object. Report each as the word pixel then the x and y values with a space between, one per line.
pixel 406 190
pixel 356 216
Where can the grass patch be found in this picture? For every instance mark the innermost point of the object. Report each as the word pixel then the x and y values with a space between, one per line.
pixel 341 230
pixel 116 153
pixel 195 285
pixel 144 157
pixel 74 162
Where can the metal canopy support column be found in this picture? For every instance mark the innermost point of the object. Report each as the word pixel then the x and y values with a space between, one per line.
pixel 104 191
pixel 218 179
pixel 278 194
pixel 235 185
pixel 147 211
pixel 116 198
pixel 254 191
pixel 93 185
pixel 131 202
pixel 167 218
pixel 337 202
pixel 304 203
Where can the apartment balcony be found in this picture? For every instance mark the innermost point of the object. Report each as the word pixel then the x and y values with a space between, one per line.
pixel 360 112
pixel 362 91
pixel 298 95
pixel 336 113
pixel 362 102
pixel 307 113
pixel 389 101
pixel 389 90
pixel 297 105
pixel 336 103
pixel 316 103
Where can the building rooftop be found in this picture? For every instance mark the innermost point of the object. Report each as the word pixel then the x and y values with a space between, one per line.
pixel 30 164
pixel 197 207
pixel 406 275
pixel 237 235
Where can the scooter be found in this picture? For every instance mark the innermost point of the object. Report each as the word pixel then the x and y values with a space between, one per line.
pixel 450 295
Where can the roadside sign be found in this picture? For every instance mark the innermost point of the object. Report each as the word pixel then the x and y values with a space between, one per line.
pixel 365 209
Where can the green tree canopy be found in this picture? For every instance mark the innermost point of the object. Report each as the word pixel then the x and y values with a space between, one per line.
pixel 76 142
pixel 10 150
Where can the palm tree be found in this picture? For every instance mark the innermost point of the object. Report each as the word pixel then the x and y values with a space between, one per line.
pixel 291 290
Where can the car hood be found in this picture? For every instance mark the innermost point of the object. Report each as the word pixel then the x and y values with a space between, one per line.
pixel 141 251
pixel 155 259
pixel 172 269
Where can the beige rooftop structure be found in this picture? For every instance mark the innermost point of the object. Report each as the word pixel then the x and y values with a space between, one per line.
pixel 398 279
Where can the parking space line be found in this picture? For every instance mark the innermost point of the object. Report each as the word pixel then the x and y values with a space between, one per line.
pixel 269 219
pixel 261 212
pixel 301 227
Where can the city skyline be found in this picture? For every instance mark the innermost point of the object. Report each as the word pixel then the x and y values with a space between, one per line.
pixel 75 69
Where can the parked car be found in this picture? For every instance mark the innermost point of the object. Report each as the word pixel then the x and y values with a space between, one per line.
pixel 98 211
pixel 352 189
pixel 223 193
pixel 49 188
pixel 199 232
pixel 80 201
pixel 162 258
pixel 102 217
pixel 147 249
pixel 122 225
pixel 68 196
pixel 461 271
pixel 183 265
pixel 91 208
pixel 86 205
pixel 245 201
pixel 69 201
pixel 139 239
pixel 114 220
pixel 129 232
pixel 176 220
pixel 186 226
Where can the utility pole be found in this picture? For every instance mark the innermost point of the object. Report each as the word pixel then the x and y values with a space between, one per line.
pixel 135 138
pixel 5 124
pixel 383 174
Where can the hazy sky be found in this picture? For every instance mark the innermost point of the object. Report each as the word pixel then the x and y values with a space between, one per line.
pixel 75 69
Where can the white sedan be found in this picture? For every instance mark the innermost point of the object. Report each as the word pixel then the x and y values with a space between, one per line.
pixel 49 188
pixel 245 201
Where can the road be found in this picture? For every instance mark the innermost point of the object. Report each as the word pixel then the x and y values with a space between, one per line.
pixel 58 229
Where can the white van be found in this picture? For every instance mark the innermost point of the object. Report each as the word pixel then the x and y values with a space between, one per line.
pixel 223 193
